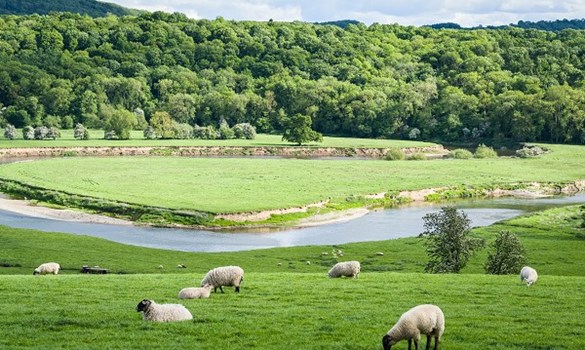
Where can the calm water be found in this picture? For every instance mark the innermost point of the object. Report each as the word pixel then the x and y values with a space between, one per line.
pixel 375 226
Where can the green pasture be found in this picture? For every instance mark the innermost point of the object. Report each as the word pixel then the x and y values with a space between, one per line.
pixel 285 302
pixel 224 185
pixel 137 139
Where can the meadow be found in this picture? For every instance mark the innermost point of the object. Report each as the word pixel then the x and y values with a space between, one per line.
pixel 226 185
pixel 96 138
pixel 287 303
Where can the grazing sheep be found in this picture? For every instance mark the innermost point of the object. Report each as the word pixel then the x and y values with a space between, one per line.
pixel 163 312
pixel 422 319
pixel 346 268
pixel 196 293
pixel 529 275
pixel 224 276
pixel 47 268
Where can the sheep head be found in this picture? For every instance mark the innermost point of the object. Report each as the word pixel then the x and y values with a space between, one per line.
pixel 387 342
pixel 143 305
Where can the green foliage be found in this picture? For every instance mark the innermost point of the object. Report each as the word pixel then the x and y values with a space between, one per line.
pixel 482 151
pixel 583 216
pixel 149 133
pixel 204 132
pixel 89 7
pixel 183 131
pixel 224 131
pixel 394 154
pixel 119 121
pixel 244 131
pixel 28 133
pixel 10 132
pixel 460 153
pixel 507 255
pixel 80 132
pixel 297 129
pixel 163 125
pixel 448 244
pixel 417 156
pixel 530 151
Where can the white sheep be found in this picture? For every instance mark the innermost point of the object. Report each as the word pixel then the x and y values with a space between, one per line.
pixel 224 276
pixel 346 268
pixel 422 319
pixel 47 268
pixel 196 293
pixel 163 312
pixel 529 275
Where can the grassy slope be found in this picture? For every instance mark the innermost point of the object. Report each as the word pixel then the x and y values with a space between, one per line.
pixel 136 139
pixel 242 184
pixel 300 307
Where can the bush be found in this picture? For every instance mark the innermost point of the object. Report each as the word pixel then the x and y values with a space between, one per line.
pixel 10 132
pixel 149 133
pixel 448 244
pixel 244 131
pixel 183 131
pixel 484 151
pixel 28 133
pixel 53 133
pixel 394 154
pixel 80 132
pixel 507 256
pixel 529 151
pixel 460 153
pixel 417 156
pixel 204 132
pixel 110 135
pixel 41 132
pixel 225 132
pixel 67 122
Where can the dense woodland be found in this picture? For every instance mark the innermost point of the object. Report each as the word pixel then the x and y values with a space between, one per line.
pixel 384 81
pixel 43 7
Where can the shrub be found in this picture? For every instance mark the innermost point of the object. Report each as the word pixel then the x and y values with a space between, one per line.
pixel 149 133
pixel 394 154
pixel 529 151
pixel 244 131
pixel 67 122
pixel 417 156
pixel 414 133
pixel 460 153
pixel 163 125
pixel 41 132
pixel 80 132
pixel 507 256
pixel 448 244
pixel 53 133
pixel 483 151
pixel 183 131
pixel 225 132
pixel 110 135
pixel 10 132
pixel 204 132
pixel 28 133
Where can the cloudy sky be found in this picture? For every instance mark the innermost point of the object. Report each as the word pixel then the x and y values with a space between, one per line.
pixel 406 12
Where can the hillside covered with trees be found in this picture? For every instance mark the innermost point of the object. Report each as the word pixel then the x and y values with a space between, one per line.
pixel 42 7
pixel 378 81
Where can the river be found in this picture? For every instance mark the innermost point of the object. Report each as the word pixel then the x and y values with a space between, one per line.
pixel 379 225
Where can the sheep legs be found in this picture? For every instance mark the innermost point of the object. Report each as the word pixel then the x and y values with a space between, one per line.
pixel 410 344
pixel 237 289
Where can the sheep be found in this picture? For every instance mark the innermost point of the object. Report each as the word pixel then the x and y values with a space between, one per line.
pixel 163 312
pixel 196 293
pixel 346 268
pixel 224 276
pixel 47 268
pixel 529 275
pixel 422 319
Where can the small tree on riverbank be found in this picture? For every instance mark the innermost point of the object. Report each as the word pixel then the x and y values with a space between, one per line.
pixel 297 129
pixel 448 244
pixel 507 256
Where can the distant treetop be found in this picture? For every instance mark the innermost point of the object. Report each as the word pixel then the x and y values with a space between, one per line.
pixel 92 8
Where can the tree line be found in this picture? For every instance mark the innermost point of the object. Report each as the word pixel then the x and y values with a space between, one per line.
pixel 377 81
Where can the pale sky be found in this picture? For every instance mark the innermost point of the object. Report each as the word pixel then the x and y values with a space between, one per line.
pixel 467 13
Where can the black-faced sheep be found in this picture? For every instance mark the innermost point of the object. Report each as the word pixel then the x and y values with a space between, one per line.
pixel 346 268
pixel 163 312
pixel 196 293
pixel 529 275
pixel 224 276
pixel 422 319
pixel 47 268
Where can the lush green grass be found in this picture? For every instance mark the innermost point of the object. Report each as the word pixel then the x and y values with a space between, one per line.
pixel 242 184
pixel 300 307
pixel 137 139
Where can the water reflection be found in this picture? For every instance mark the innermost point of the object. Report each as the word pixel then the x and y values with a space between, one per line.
pixel 375 226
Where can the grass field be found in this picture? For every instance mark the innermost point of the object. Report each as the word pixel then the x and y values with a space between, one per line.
pixel 286 303
pixel 223 185
pixel 137 139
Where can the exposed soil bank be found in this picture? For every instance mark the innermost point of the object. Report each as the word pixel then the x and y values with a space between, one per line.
pixel 201 151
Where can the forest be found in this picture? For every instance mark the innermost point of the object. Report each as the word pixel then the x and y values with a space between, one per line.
pixel 378 81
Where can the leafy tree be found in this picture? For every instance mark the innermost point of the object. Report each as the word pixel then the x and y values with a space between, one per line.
pixel 297 129
pixel 183 130
pixel 41 132
pixel 225 132
pixel 10 132
pixel 28 132
pixel 448 244
pixel 163 125
pixel 483 151
pixel 121 122
pixel 244 131
pixel 53 133
pixel 149 133
pixel 80 132
pixel 507 256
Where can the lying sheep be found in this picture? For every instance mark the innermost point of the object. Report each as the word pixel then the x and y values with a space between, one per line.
pixel 224 276
pixel 422 319
pixel 529 275
pixel 196 293
pixel 163 312
pixel 346 268
pixel 47 268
